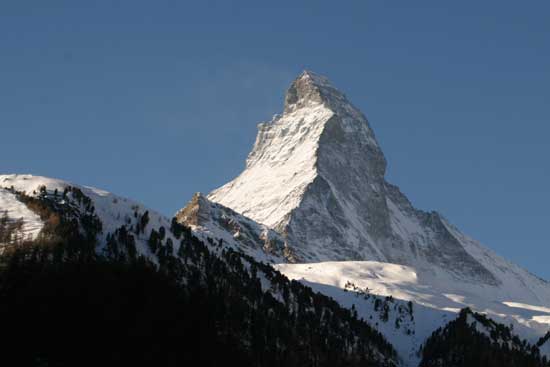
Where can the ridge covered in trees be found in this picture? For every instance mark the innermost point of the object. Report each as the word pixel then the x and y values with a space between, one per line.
pixel 473 340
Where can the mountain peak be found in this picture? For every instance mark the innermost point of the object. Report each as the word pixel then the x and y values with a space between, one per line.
pixel 316 175
pixel 321 148
pixel 310 88
pixel 314 78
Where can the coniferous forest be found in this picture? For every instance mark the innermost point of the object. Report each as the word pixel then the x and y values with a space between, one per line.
pixel 462 344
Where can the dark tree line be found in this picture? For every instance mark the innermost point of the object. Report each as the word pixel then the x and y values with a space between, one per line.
pixel 461 344
pixel 544 339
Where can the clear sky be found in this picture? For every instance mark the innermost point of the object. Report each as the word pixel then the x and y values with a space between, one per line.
pixel 156 100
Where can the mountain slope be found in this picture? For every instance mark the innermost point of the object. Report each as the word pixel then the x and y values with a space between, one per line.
pixel 436 300
pixel 101 262
pixel 114 211
pixel 16 214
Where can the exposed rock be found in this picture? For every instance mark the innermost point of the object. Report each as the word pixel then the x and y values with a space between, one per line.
pixel 234 229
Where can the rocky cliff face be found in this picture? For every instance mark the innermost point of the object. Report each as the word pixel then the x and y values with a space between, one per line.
pixel 316 176
pixel 229 228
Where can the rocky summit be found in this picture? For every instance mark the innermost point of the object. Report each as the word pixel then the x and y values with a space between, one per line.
pixel 316 175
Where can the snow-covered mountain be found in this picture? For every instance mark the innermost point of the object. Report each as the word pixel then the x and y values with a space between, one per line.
pixel 316 176
pixel 113 211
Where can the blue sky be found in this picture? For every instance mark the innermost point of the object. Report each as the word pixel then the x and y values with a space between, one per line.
pixel 158 100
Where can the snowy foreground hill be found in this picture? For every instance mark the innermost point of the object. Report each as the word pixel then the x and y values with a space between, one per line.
pixel 312 204
pixel 114 211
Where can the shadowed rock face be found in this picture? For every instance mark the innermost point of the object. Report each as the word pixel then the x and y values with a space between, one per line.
pixel 316 176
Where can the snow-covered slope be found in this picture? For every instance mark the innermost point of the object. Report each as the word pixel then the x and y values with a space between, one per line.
pixel 13 211
pixel 437 298
pixel 113 211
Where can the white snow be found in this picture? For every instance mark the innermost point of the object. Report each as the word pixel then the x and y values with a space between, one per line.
pixel 436 296
pixel 114 211
pixel 406 226
pixel 277 174
pixel 16 210
pixel 527 307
